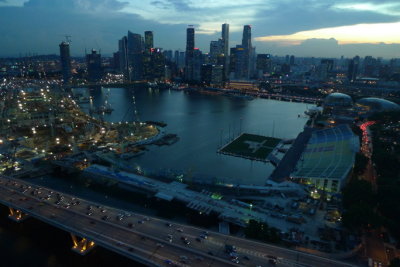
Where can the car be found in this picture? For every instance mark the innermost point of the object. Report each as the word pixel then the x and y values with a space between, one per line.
pixel 147 219
pixel 103 210
pixel 140 222
pixel 159 245
pixel 235 261
pixel 168 224
pixel 89 213
pixel 203 236
pixel 180 230
pixel 168 239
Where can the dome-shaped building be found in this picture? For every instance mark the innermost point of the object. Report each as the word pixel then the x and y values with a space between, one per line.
pixel 338 100
pixel 373 104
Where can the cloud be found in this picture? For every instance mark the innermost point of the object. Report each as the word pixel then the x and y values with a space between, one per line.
pixel 78 5
pixel 318 47
pixel 359 33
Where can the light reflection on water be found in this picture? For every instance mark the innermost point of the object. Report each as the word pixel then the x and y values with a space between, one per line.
pixel 203 123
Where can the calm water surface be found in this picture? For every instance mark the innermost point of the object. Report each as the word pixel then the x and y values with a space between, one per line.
pixel 204 123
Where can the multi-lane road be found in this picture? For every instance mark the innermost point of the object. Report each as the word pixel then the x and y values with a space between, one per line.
pixel 148 240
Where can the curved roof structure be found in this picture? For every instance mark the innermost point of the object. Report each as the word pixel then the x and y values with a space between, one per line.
pixel 378 104
pixel 338 99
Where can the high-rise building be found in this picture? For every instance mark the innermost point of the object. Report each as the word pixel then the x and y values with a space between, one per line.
pixel 352 72
pixel 197 62
pixel 189 66
pixel 182 59
pixel 148 40
pixel 123 57
pixel 291 60
pixel 135 54
pixel 216 49
pixel 264 63
pixel 93 64
pixel 65 60
pixel 115 63
pixel 246 45
pixel 176 57
pixel 239 62
pixel 225 43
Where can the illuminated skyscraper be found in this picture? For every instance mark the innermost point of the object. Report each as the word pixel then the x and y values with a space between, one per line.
pixel 65 60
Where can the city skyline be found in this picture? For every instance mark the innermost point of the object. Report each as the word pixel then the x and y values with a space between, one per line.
pixel 339 28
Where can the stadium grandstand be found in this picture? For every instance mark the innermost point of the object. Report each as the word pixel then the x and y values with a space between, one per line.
pixel 327 159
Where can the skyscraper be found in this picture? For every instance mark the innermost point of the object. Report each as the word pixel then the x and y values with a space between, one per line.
pixel 189 75
pixel 135 54
pixel 65 60
pixel 93 64
pixel 246 39
pixel 148 40
pixel 246 45
pixel 123 57
pixel 352 72
pixel 225 43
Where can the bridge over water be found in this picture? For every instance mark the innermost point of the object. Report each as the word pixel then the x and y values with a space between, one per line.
pixel 141 238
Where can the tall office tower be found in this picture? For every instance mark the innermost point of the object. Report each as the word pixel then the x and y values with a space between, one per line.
pixel 239 62
pixel 65 60
pixel 189 75
pixel 264 64
pixel 197 62
pixel 148 40
pixel 246 44
pixel 135 54
pixel 353 68
pixel 216 49
pixel 176 57
pixel 182 59
pixel 371 66
pixel 115 61
pixel 225 42
pixel 291 60
pixel 93 64
pixel 123 57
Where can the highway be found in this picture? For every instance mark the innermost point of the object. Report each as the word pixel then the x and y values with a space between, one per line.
pixel 148 240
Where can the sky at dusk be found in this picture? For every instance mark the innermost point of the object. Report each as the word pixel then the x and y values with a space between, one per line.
pixel 320 28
